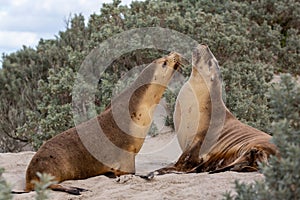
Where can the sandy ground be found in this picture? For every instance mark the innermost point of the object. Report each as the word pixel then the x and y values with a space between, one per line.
pixel 157 152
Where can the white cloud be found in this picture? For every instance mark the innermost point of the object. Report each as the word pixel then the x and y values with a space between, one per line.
pixel 24 22
pixel 15 40
pixel 46 15
pixel 18 2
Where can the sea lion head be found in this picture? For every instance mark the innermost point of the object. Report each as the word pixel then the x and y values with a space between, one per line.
pixel 206 63
pixel 160 71
pixel 165 67
pixel 206 68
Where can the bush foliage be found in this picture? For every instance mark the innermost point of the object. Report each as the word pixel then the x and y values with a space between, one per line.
pixel 282 175
pixel 251 39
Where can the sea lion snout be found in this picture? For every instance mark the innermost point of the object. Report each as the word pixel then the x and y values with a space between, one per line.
pixel 174 60
pixel 205 62
pixel 202 54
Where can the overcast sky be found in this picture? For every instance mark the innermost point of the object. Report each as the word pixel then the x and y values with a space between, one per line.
pixel 24 22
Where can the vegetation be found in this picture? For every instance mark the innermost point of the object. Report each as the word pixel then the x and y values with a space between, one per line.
pixel 5 190
pixel 41 187
pixel 282 174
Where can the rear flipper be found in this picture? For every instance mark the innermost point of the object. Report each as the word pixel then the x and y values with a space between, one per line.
pixel 239 167
pixel 70 190
pixel 248 162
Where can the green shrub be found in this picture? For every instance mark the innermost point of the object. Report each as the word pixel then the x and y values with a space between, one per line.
pixel 245 86
pixel 171 96
pixel 282 175
pixel 53 114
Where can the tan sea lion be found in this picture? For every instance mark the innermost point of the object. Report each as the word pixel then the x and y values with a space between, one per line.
pixel 108 143
pixel 211 138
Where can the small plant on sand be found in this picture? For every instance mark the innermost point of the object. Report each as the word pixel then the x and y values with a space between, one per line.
pixel 5 190
pixel 41 187
pixel 153 131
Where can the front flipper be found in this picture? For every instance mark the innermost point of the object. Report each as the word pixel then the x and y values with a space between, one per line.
pixel 177 168
pixel 165 170
pixel 70 190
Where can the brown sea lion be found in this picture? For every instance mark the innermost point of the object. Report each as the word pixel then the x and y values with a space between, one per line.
pixel 211 138
pixel 108 143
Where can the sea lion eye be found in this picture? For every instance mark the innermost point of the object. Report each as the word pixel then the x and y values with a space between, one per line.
pixel 164 64
pixel 176 66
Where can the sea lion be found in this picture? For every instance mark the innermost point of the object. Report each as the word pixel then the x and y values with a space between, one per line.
pixel 211 138
pixel 120 131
